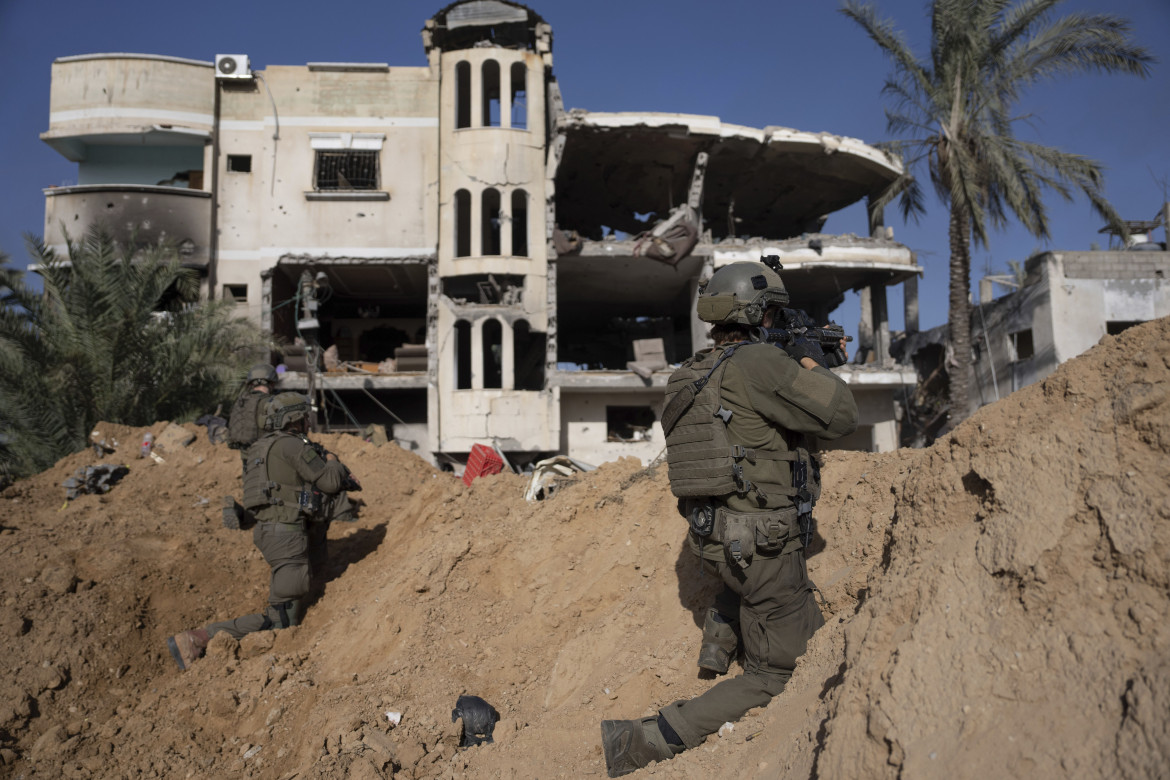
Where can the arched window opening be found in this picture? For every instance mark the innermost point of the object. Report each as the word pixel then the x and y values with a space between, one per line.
pixel 463 94
pixel 493 353
pixel 491 93
pixel 519 96
pixel 462 223
pixel 528 349
pixel 520 223
pixel 491 222
pixel 462 355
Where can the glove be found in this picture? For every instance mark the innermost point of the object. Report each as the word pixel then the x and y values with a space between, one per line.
pixel 802 347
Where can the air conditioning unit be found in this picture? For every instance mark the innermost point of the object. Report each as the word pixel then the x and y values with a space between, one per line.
pixel 232 66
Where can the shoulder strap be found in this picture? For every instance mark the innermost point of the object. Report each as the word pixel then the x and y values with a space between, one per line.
pixel 686 396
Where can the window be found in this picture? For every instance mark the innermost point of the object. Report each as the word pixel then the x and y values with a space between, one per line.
pixel 519 96
pixel 462 223
pixel 1115 327
pixel 493 353
pixel 491 223
pixel 520 223
pixel 235 292
pixel 346 162
pixel 462 355
pixel 353 169
pixel 1022 344
pixel 491 93
pixel 628 423
pixel 463 94
pixel 239 163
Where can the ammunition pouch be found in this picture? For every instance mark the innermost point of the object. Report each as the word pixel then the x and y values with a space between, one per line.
pixel 743 534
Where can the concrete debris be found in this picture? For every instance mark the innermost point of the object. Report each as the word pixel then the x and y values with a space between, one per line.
pixel 546 472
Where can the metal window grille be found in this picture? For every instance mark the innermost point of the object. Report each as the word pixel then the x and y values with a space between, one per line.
pixel 347 169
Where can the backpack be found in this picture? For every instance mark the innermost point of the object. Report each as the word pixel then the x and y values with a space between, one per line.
pixel 243 426
pixel 260 491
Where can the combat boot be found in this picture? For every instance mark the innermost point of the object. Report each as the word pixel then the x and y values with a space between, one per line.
pixel 714 658
pixel 187 646
pixel 633 744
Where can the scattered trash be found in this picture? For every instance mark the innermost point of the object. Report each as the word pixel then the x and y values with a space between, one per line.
pixel 394 717
pixel 726 729
pixel 147 444
pixel 156 457
pixel 482 460
pixel 253 751
pixel 545 473
pixel 479 720
pixel 101 445
pixel 93 479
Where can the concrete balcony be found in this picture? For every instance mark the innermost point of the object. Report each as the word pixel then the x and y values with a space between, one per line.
pixel 132 212
pixel 103 99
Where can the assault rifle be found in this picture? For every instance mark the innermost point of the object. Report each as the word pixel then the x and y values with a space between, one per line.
pixel 795 325
pixel 349 483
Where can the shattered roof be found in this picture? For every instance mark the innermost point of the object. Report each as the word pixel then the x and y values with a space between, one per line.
pixel 463 24
pixel 775 182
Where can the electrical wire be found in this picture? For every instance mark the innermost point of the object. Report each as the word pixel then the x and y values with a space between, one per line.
pixel 275 134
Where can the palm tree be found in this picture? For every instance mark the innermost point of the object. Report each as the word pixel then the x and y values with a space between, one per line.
pixel 117 335
pixel 956 112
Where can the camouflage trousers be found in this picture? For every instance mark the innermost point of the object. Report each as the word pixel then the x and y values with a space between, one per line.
pixel 777 615
pixel 285 547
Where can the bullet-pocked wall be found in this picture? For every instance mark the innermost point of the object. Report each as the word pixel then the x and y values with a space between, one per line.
pixel 493 265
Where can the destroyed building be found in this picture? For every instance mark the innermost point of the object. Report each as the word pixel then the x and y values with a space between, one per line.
pixel 447 251
pixel 1056 306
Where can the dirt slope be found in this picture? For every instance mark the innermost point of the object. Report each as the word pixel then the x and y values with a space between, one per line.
pixel 996 605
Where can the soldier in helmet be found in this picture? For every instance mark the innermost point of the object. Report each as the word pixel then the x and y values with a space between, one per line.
pixel 246 423
pixel 736 419
pixel 283 482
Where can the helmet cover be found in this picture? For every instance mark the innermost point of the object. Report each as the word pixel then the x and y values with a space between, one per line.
pixel 740 293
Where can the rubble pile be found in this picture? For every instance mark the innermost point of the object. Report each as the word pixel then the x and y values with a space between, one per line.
pixel 996 604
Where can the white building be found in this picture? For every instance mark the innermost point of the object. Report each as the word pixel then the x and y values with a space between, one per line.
pixel 479 259
pixel 1067 301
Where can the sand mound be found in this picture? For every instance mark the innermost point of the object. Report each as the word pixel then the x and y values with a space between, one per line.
pixel 996 604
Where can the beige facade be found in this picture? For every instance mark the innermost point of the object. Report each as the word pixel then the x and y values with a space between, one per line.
pixel 448 252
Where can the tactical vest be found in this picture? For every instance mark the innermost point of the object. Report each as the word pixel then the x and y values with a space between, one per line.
pixel 260 491
pixel 243 427
pixel 702 461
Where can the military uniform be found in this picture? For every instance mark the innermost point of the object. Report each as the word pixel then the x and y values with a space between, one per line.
pixel 773 402
pixel 245 426
pixel 281 533
pixel 737 417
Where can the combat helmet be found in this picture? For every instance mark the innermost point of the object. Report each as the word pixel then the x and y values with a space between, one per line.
pixel 261 373
pixel 284 410
pixel 740 293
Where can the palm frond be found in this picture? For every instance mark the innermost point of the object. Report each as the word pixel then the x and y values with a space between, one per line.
pixel 117 334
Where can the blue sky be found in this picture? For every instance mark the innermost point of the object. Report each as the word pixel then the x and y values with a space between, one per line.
pixel 794 63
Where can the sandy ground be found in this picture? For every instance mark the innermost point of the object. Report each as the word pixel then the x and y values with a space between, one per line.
pixel 996 605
